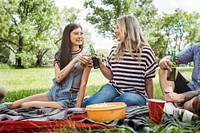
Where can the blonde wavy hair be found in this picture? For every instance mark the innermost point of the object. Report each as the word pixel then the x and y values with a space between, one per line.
pixel 134 39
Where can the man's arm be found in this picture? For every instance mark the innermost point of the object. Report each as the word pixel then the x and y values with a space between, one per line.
pixel 190 94
pixel 182 97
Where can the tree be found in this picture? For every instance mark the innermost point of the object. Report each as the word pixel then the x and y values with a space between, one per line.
pixel 104 14
pixel 194 34
pixel 178 28
pixel 26 21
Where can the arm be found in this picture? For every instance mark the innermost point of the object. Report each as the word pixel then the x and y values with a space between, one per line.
pixel 83 84
pixel 61 74
pixel 186 96
pixel 166 64
pixel 190 94
pixel 105 71
pixel 149 88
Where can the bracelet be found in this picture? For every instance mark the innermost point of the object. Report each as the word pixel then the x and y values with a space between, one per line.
pixel 55 62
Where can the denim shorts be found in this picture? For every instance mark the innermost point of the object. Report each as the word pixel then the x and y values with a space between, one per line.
pixel 59 94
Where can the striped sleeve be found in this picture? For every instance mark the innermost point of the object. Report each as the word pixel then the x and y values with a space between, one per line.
pixel 108 65
pixel 151 63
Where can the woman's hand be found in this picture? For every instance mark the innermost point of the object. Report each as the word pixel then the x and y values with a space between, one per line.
pixel 165 64
pixel 82 58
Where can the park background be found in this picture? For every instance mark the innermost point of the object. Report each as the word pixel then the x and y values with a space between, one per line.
pixel 31 30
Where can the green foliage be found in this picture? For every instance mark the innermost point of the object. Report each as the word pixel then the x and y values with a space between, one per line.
pixel 178 27
pixel 102 14
pixel 194 34
pixel 28 59
pixel 30 23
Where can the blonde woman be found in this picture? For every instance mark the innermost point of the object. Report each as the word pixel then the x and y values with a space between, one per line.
pixel 130 67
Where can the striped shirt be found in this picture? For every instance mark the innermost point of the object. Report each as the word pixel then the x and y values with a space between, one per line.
pixel 129 74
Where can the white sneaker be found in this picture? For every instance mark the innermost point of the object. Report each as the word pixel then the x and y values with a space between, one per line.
pixel 182 114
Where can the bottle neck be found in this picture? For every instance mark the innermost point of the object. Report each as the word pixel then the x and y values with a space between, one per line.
pixel 173 58
pixel 92 52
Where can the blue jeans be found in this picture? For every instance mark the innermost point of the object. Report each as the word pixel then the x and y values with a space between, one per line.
pixel 108 93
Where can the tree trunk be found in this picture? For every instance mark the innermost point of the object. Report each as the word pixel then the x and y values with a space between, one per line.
pixel 39 61
pixel 20 49
pixel 39 58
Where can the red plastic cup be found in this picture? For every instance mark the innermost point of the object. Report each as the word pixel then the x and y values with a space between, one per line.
pixel 155 110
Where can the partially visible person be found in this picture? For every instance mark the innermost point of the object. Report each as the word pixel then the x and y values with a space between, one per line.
pixel 70 78
pixel 129 67
pixel 190 100
pixel 181 85
pixel 182 93
pixel 2 93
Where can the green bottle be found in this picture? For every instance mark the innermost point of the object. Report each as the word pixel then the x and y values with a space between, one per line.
pixel 94 58
pixel 171 75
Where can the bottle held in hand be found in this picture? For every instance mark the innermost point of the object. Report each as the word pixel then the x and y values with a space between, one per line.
pixel 94 58
pixel 86 64
pixel 171 75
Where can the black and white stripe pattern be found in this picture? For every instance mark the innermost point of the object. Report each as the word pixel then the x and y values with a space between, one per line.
pixel 129 74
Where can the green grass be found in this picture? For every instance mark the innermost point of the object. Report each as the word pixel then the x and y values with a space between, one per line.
pixel 21 83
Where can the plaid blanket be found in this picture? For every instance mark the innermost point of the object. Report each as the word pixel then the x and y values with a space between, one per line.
pixel 49 119
pixel 38 114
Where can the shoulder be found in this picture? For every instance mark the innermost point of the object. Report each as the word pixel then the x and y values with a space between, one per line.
pixel 113 49
pixel 147 49
pixel 196 46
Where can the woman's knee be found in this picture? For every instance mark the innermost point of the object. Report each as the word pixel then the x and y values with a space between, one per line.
pixel 108 89
pixel 132 99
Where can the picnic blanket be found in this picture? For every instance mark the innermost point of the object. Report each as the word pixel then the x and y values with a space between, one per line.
pixel 49 119
pixel 45 120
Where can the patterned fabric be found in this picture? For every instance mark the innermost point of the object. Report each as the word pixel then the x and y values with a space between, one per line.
pixel 192 54
pixel 38 114
pixel 52 120
pixel 48 119
pixel 129 74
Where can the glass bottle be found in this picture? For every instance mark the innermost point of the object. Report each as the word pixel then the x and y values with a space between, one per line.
pixel 171 75
pixel 93 57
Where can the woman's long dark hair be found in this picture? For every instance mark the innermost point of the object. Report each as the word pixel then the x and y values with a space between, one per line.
pixel 63 55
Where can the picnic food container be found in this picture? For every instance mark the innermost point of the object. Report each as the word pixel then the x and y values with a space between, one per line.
pixel 103 112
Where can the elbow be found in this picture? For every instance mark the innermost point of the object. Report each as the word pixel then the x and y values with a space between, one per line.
pixel 109 78
pixel 58 79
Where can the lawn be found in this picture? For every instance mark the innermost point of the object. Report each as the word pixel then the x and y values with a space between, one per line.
pixel 20 83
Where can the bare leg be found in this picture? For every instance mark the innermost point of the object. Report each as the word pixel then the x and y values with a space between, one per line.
pixel 196 105
pixel 166 86
pixel 50 104
pixel 188 105
pixel 193 105
pixel 37 97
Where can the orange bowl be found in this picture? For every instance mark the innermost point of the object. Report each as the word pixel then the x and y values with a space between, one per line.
pixel 103 112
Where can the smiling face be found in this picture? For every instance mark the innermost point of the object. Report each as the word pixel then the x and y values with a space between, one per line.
pixel 119 34
pixel 76 37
